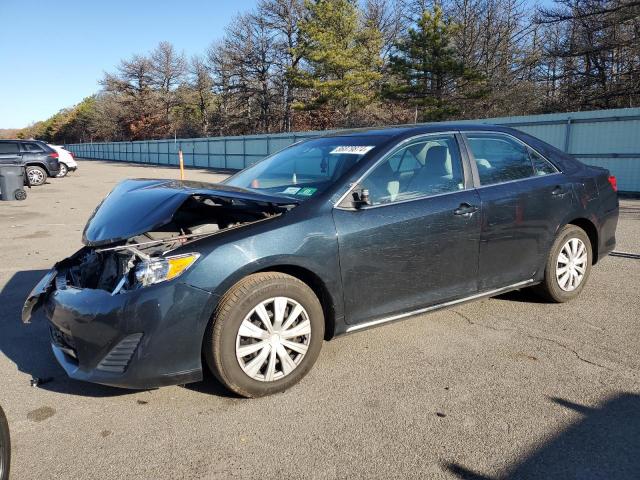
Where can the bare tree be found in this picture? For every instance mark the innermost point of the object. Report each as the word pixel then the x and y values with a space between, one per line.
pixel 283 16
pixel 202 85
pixel 596 52
pixel 168 69
pixel 219 63
pixel 385 16
pixel 132 84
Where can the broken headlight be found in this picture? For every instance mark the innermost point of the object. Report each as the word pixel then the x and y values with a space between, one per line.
pixel 156 270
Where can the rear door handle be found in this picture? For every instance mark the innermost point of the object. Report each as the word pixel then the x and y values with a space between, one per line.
pixel 558 191
pixel 465 209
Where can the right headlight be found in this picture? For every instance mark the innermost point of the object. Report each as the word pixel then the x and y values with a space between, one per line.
pixel 161 269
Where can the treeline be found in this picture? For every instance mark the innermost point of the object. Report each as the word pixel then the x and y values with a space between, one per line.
pixel 319 64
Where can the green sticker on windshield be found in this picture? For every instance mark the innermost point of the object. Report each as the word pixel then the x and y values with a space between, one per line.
pixel 307 191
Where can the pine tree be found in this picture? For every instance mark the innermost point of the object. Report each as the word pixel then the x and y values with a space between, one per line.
pixel 427 71
pixel 342 57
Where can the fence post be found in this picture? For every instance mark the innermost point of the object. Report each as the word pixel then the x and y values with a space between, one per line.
pixel 224 141
pixel 567 135
pixel 244 152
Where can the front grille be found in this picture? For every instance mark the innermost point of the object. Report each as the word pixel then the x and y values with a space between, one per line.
pixel 118 359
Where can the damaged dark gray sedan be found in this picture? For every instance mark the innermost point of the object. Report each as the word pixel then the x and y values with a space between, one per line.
pixel 328 236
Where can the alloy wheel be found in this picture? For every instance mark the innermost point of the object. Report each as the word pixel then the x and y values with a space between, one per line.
pixel 63 171
pixel 36 177
pixel 571 264
pixel 273 339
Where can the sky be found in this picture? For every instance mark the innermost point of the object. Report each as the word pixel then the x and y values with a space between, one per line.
pixel 53 53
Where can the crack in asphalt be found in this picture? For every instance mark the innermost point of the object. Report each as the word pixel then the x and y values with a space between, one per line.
pixel 550 340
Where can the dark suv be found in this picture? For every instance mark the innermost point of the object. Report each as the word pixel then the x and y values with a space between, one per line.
pixel 40 159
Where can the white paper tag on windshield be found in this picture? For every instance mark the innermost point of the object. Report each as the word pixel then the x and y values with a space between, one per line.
pixel 352 149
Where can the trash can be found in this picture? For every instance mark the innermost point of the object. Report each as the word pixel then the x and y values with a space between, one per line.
pixel 12 181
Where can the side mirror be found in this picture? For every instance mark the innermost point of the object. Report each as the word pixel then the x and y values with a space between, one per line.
pixel 361 198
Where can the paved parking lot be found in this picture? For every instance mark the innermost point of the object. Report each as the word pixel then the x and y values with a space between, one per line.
pixel 505 387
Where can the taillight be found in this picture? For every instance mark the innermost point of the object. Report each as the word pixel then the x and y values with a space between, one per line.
pixel 54 155
pixel 72 155
pixel 613 182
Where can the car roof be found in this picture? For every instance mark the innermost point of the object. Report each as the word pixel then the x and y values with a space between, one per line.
pixel 408 131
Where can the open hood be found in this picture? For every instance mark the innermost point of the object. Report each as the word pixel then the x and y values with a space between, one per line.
pixel 142 205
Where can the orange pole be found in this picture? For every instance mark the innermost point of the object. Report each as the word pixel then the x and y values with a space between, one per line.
pixel 181 164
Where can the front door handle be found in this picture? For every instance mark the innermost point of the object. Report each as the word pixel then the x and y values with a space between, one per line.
pixel 465 209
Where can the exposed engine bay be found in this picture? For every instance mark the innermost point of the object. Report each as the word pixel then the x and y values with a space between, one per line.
pixel 120 266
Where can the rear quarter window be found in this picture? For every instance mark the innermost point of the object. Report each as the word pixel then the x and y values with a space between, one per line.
pixel 541 165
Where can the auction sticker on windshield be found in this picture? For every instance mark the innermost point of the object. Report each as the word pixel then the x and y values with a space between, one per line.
pixel 352 149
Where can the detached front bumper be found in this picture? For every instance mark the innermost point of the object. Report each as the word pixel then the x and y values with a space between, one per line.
pixel 140 339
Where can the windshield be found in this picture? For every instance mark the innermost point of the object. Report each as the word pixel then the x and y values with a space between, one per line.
pixel 306 169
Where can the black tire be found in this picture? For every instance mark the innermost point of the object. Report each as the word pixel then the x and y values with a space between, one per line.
pixel 220 339
pixel 20 194
pixel 5 447
pixel 63 171
pixel 550 288
pixel 37 175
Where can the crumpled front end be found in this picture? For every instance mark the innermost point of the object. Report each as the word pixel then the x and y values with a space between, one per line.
pixel 141 338
pixel 122 311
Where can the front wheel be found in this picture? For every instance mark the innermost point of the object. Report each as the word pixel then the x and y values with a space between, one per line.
pixel 265 335
pixel 568 266
pixel 37 175
pixel 5 447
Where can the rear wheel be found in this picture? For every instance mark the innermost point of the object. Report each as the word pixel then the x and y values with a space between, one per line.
pixel 265 335
pixel 568 266
pixel 63 171
pixel 37 175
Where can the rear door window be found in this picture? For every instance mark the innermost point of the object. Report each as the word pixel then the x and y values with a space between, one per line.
pixel 8 148
pixel 32 147
pixel 499 158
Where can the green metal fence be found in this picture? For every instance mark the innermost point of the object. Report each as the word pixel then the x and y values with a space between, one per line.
pixel 608 138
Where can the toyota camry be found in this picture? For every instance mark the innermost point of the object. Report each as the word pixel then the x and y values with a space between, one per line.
pixel 329 236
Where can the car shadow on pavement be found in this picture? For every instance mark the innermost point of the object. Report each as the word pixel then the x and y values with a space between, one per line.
pixel 210 385
pixel 525 296
pixel 28 346
pixel 604 443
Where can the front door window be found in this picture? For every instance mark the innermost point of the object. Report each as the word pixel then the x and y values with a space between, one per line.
pixel 430 166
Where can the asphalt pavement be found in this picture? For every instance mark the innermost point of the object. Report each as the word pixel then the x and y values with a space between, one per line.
pixel 508 387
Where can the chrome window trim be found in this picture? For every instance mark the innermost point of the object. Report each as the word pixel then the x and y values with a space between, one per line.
pixel 408 200
pixel 385 157
pixel 466 134
pixel 480 187
pixel 475 296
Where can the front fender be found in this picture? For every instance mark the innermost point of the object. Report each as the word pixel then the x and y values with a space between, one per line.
pixel 310 245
